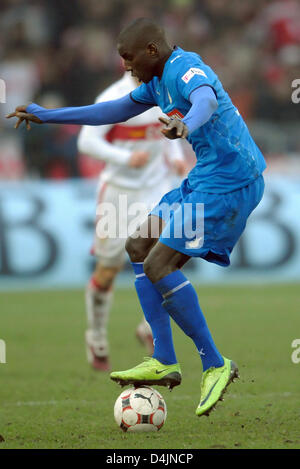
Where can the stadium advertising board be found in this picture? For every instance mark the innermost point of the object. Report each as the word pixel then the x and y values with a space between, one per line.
pixel 47 229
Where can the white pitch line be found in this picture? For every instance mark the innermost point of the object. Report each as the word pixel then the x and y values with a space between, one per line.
pixel 47 403
pixel 249 396
pixel 266 395
pixel 285 394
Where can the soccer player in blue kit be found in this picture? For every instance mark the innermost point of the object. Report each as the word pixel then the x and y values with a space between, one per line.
pixel 226 183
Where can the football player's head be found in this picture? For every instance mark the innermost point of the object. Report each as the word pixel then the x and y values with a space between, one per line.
pixel 144 49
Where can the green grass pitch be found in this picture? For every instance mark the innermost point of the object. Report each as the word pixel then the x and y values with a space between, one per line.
pixel 50 398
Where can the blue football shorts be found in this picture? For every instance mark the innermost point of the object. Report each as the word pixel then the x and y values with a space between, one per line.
pixel 207 225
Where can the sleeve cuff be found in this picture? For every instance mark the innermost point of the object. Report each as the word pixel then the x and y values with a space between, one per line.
pixel 34 109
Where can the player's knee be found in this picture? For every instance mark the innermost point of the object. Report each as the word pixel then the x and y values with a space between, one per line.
pixel 155 270
pixel 105 275
pixel 135 250
pixel 149 270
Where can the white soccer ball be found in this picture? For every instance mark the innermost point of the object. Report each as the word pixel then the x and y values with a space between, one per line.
pixel 140 409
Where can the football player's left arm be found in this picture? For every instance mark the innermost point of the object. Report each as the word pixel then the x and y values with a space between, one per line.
pixel 204 104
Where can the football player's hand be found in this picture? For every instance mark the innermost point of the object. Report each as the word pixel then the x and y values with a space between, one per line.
pixel 22 115
pixel 139 159
pixel 174 128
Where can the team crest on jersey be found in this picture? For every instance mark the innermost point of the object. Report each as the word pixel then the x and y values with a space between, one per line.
pixel 175 113
pixel 192 72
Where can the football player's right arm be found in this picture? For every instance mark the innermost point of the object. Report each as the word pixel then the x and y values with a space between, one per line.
pixel 204 104
pixel 92 142
pixel 109 112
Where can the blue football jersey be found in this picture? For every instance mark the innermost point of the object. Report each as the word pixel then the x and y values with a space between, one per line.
pixel 227 156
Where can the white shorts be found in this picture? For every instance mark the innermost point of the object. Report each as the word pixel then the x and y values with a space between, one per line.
pixel 115 206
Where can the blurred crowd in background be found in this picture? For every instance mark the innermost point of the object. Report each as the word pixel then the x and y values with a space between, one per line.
pixel 64 53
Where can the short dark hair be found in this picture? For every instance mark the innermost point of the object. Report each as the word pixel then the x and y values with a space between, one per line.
pixel 142 31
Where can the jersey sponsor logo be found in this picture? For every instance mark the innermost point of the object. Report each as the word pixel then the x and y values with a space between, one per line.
pixel 192 72
pixel 175 113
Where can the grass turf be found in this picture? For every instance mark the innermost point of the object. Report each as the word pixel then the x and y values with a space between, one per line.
pixel 50 398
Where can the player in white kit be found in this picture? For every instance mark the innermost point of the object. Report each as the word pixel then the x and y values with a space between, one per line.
pixel 141 165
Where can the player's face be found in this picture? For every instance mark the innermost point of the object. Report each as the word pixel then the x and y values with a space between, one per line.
pixel 138 62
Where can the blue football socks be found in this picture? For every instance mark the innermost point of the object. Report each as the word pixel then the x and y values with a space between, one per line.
pixel 158 318
pixel 181 302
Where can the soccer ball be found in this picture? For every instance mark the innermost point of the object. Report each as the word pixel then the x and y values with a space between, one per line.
pixel 140 409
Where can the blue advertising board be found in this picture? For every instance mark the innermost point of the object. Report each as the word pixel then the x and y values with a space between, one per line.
pixel 47 230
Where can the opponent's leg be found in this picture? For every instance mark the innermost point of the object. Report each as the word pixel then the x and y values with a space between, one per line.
pixel 99 295
pixel 144 335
